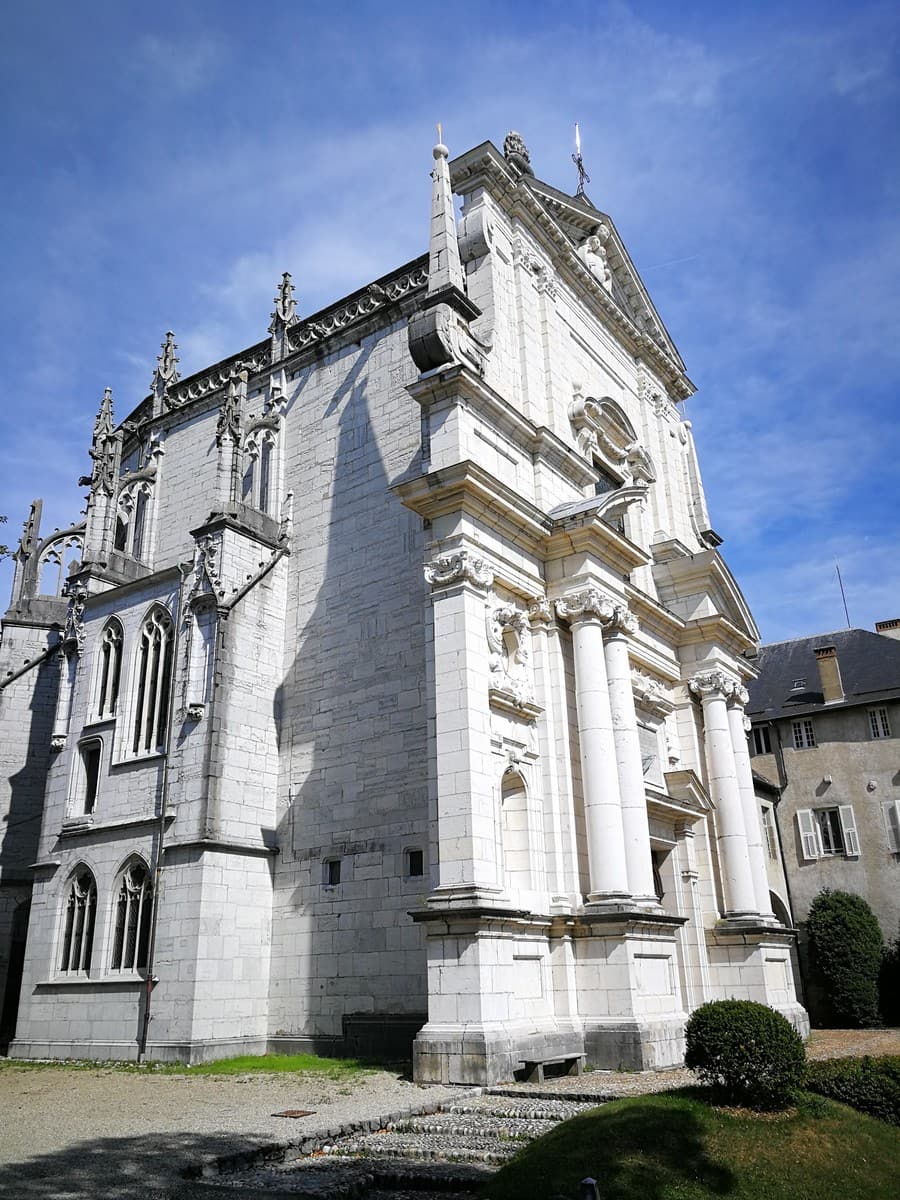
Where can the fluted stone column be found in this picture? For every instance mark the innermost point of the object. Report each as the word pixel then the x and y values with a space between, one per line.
pixel 629 761
pixel 713 688
pixel 587 611
pixel 738 725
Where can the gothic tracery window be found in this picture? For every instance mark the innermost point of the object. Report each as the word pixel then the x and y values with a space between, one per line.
pixel 78 928
pixel 152 686
pixel 133 520
pixel 260 478
pixel 134 905
pixel 109 670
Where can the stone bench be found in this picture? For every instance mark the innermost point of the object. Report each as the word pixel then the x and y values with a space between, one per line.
pixel 533 1071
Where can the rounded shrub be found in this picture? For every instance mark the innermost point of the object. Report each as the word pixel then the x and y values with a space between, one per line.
pixel 747 1053
pixel 845 948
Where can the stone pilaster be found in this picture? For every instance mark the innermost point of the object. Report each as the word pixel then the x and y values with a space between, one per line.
pixel 629 764
pixel 738 725
pixel 466 817
pixel 714 687
pixel 587 611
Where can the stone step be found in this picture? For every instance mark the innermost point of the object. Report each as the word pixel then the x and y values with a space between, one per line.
pixel 520 1108
pixel 326 1178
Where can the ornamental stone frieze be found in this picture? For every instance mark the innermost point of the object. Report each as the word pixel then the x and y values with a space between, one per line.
pixel 714 683
pixel 508 634
pixel 459 567
pixel 650 694
pixel 73 633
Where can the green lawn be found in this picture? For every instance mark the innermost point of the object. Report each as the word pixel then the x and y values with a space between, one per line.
pixel 675 1146
pixel 309 1064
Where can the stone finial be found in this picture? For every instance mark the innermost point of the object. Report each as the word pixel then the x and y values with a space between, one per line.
pixel 516 152
pixel 228 424
pixel 444 266
pixel 103 450
pixel 285 303
pixel 166 372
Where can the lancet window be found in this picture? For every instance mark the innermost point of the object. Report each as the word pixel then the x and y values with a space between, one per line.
pixel 152 683
pixel 78 924
pixel 109 669
pixel 259 484
pixel 134 905
pixel 132 534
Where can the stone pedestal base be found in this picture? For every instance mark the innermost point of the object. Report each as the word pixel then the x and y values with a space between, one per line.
pixel 629 996
pixel 754 962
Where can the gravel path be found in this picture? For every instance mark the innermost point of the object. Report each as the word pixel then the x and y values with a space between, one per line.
pixel 70 1134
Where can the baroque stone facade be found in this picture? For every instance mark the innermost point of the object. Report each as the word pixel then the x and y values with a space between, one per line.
pixel 398 685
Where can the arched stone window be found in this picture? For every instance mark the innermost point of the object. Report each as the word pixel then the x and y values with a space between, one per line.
pixel 152 683
pixel 134 906
pixel 515 832
pixel 132 534
pixel 109 670
pixel 259 487
pixel 78 924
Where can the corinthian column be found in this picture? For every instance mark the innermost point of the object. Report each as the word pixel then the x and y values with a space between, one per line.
pixel 739 725
pixel 629 761
pixel 714 688
pixel 587 611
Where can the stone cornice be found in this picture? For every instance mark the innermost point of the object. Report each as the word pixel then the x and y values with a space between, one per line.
pixel 469 488
pixel 306 335
pixel 458 384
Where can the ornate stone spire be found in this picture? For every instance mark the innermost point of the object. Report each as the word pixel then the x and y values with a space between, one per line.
pixel 103 451
pixel 284 316
pixel 166 373
pixel 439 332
pixel 285 304
pixel 444 267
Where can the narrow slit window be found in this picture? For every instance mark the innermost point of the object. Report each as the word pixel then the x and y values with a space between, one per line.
pixel 415 863
pixel 90 767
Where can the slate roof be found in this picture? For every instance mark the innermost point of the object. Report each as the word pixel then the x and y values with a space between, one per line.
pixel 869 665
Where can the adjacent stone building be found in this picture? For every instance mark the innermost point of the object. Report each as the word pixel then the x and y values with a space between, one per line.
pixel 825 717
pixel 398 686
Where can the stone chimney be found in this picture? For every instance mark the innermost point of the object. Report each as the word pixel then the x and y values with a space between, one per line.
pixel 889 629
pixel 829 673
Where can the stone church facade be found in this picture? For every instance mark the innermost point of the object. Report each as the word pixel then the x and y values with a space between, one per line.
pixel 397 684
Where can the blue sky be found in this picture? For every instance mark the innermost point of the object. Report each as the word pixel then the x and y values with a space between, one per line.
pixel 163 164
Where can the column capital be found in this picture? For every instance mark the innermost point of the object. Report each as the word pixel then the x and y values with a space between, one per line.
pixel 622 623
pixel 708 685
pixel 460 566
pixel 540 612
pixel 739 696
pixel 589 603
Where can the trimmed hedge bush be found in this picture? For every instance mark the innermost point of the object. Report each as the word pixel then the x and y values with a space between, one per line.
pixel 889 983
pixel 846 947
pixel 871 1085
pixel 747 1053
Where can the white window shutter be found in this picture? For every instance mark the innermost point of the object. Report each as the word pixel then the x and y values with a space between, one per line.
pixel 891 810
pixel 809 837
pixel 848 828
